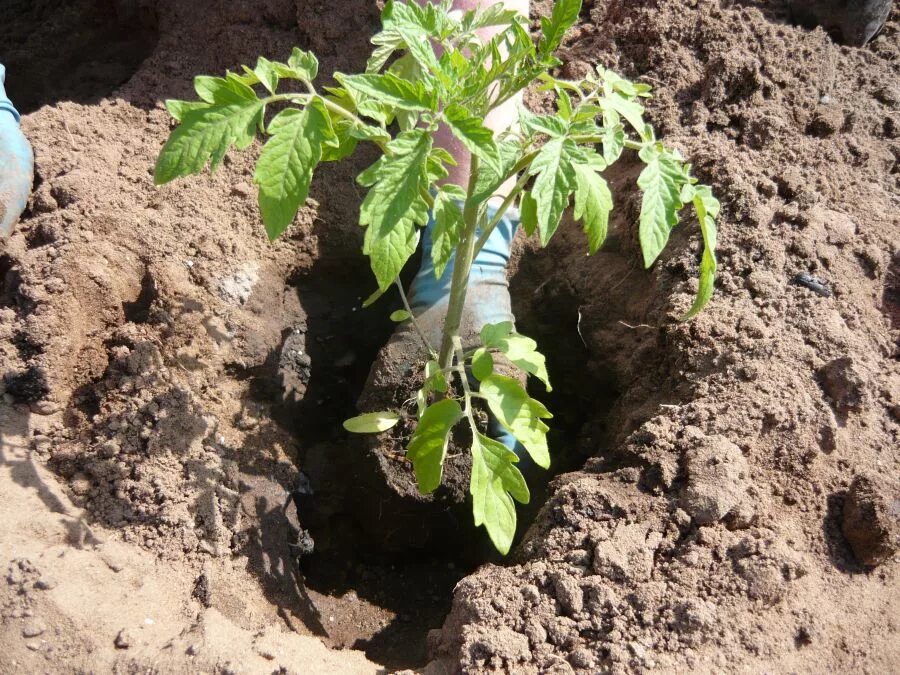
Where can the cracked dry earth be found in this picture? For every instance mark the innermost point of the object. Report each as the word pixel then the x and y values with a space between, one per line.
pixel 730 500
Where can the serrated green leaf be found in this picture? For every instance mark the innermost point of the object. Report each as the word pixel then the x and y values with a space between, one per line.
pixel 394 205
pixel 528 213
pixel 707 208
pixel 494 483
pixel 428 445
pixel 519 349
pixel 371 423
pixel 554 183
pixel 661 182
pixel 564 15
pixel 613 143
pixel 477 138
pixel 223 90
pixel 400 315
pixel 390 89
pixel 542 124
pixel 482 363
pixel 285 166
pixel 630 110
pixel 520 414
pixel 489 179
pixel 492 333
pixel 178 109
pixel 593 202
pixel 266 73
pixel 389 252
pixel 446 231
pixel 205 135
pixel 301 65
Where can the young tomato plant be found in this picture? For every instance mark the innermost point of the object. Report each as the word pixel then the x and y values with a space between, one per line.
pixel 429 68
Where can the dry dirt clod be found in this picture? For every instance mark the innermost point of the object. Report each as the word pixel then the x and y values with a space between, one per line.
pixel 33 627
pixel 871 518
pixel 717 479
pixel 124 639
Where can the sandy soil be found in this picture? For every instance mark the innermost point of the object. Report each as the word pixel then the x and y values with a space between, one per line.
pixel 730 500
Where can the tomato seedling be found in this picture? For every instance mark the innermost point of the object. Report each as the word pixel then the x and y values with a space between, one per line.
pixel 429 68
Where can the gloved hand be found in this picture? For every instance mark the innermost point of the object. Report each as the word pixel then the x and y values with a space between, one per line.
pixel 487 301
pixel 16 163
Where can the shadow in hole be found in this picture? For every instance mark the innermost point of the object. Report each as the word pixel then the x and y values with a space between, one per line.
pixel 78 50
pixel 839 551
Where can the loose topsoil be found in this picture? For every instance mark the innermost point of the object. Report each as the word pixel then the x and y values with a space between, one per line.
pixel 730 500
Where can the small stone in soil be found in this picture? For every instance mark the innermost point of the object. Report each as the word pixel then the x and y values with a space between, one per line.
pixel 33 628
pixel 45 583
pixel 123 640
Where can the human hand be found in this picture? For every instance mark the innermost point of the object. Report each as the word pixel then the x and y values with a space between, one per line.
pixel 16 164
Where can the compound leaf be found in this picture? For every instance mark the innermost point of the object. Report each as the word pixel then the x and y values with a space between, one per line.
pixel 593 202
pixel 520 414
pixel 630 110
pixel 428 446
pixel 495 482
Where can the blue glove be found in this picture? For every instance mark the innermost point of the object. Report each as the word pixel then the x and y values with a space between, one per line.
pixel 16 163
pixel 487 297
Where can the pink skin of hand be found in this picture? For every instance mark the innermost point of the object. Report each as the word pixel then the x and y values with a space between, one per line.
pixel 499 119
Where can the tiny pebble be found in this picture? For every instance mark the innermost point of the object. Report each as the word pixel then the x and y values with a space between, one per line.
pixel 45 583
pixel 33 628
pixel 123 640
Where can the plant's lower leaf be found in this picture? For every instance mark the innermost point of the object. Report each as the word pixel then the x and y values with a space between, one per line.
pixel 520 414
pixel 495 482
pixel 428 446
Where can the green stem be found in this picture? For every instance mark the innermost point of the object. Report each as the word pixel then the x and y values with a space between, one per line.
pixel 412 317
pixel 501 211
pixel 465 253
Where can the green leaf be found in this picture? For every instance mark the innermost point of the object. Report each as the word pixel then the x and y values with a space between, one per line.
pixel 565 14
pixel 482 363
pixel 287 161
pixel 520 414
pixel 303 64
pixel 178 109
pixel 630 110
pixel 389 252
pixel 266 73
pixel 477 138
pixel 388 88
pixel 593 202
pixel 613 142
pixel 223 90
pixel 489 179
pixel 554 183
pixel 528 213
pixel 371 423
pixel 661 182
pixel 447 229
pixel 519 349
pixel 542 124
pixel 394 205
pixel 434 376
pixel 400 316
pixel 368 302
pixel 428 445
pixel 205 135
pixel 707 208
pixel 495 482
pixel 493 333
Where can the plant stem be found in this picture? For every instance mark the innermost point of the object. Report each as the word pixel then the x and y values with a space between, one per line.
pixel 501 211
pixel 412 318
pixel 465 252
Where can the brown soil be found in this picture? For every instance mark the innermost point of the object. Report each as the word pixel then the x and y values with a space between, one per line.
pixel 167 374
